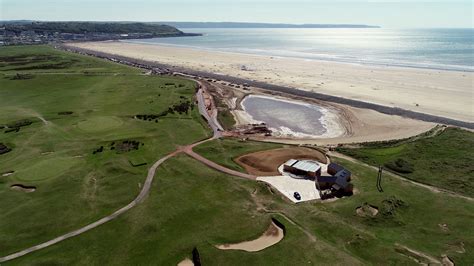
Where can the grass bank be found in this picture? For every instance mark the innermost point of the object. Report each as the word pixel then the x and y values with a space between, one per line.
pixel 443 160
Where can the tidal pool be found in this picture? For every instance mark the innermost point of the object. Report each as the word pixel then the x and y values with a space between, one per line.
pixel 292 118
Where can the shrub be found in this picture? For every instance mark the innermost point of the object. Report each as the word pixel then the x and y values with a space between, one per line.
pixel 400 166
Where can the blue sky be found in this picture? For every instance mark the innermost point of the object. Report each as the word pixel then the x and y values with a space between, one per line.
pixel 385 13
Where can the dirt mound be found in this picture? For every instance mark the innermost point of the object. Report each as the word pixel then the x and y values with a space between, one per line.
pixel 23 188
pixel 266 163
pixel 367 210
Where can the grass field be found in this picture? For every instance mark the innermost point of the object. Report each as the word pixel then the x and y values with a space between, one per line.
pixel 444 161
pixel 193 206
pixel 75 186
pixel 189 205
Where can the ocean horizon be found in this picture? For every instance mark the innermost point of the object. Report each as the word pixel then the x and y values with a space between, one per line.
pixel 441 49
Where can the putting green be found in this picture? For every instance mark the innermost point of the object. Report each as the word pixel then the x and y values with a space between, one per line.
pixel 99 123
pixel 48 168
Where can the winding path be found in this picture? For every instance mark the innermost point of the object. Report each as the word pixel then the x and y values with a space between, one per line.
pixel 143 193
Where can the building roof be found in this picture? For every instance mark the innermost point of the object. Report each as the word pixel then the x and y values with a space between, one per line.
pixel 341 181
pixel 344 173
pixel 290 162
pixel 304 165
pixel 335 167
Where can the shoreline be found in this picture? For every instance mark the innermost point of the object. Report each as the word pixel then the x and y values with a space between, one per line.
pixel 453 68
pixel 98 49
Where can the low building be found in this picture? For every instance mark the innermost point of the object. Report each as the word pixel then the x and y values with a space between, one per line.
pixel 325 182
pixel 303 168
pixel 338 181
pixel 333 168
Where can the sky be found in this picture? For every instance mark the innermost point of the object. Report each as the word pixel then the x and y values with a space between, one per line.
pixel 385 13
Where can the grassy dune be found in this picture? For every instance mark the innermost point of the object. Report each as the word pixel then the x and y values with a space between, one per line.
pixel 444 160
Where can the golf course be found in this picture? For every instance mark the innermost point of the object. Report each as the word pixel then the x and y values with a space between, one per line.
pixel 84 132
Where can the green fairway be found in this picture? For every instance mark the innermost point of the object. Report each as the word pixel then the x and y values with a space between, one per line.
pixel 38 170
pixel 444 161
pixel 99 123
pixel 76 105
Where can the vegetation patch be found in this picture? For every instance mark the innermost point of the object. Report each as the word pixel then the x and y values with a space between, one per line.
pixel 182 107
pixel 126 146
pixel 19 76
pixel 65 113
pixel 4 149
pixel 390 206
pixel 17 125
pixel 400 166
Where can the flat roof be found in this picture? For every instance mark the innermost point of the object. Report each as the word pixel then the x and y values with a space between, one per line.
pixel 290 162
pixel 304 165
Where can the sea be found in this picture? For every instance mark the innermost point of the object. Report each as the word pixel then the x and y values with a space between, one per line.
pixel 446 49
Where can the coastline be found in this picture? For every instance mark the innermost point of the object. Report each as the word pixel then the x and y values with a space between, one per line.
pixel 310 57
pixel 323 81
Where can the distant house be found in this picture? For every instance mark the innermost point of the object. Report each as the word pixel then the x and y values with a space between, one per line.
pixel 304 168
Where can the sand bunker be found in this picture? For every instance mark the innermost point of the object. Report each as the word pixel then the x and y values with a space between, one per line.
pixel 367 210
pixel 23 188
pixel 8 173
pixel 266 163
pixel 273 235
pixel 186 262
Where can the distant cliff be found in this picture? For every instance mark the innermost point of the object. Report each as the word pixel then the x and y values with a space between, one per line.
pixel 260 25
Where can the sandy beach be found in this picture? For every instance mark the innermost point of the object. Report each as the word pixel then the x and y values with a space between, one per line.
pixel 442 93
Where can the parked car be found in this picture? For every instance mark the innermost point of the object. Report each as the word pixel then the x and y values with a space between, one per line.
pixel 297 195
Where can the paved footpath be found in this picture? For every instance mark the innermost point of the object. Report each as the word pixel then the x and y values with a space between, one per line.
pixel 143 193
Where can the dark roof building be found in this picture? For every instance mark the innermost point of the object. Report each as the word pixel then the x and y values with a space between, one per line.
pixel 333 168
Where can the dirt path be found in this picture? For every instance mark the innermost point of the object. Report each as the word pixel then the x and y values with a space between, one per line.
pixel 216 166
pixel 431 188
